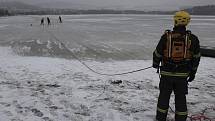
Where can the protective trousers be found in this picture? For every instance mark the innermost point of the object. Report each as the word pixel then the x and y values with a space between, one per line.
pixel 166 86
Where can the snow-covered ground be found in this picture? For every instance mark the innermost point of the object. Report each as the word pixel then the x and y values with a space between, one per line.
pixel 54 89
pixel 49 88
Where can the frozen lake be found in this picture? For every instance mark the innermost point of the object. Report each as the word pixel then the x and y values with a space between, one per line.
pixel 125 37
pixel 56 89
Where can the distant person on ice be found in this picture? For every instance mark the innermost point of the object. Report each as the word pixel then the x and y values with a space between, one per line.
pixel 60 19
pixel 178 51
pixel 42 21
pixel 49 21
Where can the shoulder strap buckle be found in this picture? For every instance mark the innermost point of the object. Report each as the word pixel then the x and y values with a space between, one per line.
pixel 167 31
pixel 188 32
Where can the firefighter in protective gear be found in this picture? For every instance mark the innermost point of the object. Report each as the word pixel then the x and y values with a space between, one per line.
pixel 177 55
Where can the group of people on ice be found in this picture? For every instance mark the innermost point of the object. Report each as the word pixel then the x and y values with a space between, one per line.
pixel 42 22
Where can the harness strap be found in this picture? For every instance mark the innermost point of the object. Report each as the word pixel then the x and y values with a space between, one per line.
pixel 186 46
pixel 169 43
pixel 169 34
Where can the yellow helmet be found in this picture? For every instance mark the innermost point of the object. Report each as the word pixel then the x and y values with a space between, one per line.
pixel 181 18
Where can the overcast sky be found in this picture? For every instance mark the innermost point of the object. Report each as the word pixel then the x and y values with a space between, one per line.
pixel 171 4
pixel 138 4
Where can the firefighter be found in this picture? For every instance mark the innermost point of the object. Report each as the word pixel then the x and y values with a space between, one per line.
pixel 60 19
pixel 42 21
pixel 177 55
pixel 48 21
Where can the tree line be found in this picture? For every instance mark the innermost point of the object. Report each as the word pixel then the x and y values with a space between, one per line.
pixel 76 12
pixel 202 10
pixel 197 10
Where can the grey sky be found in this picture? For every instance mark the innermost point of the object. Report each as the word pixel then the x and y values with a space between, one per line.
pixel 133 4
pixel 155 4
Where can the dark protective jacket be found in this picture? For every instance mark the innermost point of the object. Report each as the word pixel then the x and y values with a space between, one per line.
pixel 179 69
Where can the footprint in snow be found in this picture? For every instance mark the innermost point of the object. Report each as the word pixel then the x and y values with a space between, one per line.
pixel 37 112
pixel 47 119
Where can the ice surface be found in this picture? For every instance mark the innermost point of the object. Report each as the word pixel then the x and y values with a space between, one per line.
pixel 106 36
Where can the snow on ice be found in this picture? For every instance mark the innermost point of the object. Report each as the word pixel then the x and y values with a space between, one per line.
pixel 54 89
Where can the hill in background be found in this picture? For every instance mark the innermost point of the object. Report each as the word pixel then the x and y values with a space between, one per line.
pixel 15 7
pixel 202 10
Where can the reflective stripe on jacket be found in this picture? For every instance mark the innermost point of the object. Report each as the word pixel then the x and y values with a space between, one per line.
pixel 164 73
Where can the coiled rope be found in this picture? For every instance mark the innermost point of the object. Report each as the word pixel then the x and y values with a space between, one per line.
pixel 199 117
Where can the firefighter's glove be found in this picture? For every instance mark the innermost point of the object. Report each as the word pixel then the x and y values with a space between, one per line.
pixel 191 78
pixel 155 66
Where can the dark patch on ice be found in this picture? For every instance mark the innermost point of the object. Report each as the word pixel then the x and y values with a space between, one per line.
pixel 47 119
pixel 194 88
pixel 120 102
pixel 119 91
pixel 19 109
pixel 41 87
pixel 102 99
pixel 22 110
pixel 5 104
pixel 55 107
pixel 37 112
pixel 139 85
pixel 83 113
pixel 116 81
pixel 192 103
pixel 52 85
pixel 212 76
pixel 10 83
pixel 81 109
